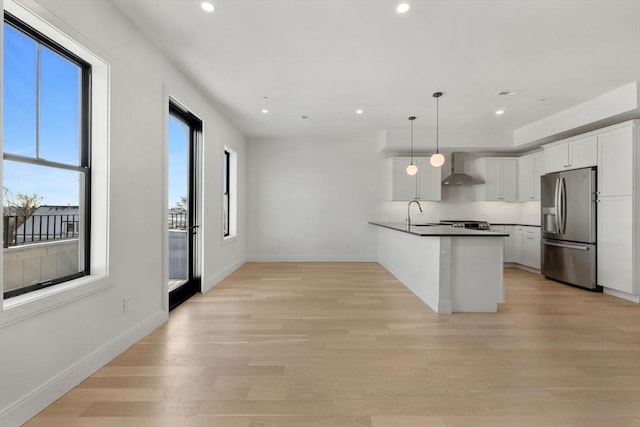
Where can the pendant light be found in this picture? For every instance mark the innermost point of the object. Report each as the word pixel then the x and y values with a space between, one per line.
pixel 412 169
pixel 437 159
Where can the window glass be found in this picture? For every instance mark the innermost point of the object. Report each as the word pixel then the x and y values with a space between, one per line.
pixel 59 108
pixel 45 174
pixel 19 92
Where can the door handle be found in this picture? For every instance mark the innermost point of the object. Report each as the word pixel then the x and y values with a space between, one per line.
pixel 564 245
pixel 557 205
pixel 563 203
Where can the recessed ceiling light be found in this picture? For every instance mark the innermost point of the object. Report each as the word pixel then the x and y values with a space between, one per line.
pixel 499 112
pixel 359 111
pixel 403 8
pixel 265 111
pixel 207 7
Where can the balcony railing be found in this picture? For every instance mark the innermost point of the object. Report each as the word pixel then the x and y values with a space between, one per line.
pixel 177 220
pixel 21 230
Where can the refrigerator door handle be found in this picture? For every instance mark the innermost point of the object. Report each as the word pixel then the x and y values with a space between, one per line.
pixel 564 245
pixel 563 206
pixel 556 203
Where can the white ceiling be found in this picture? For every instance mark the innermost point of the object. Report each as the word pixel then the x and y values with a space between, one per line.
pixel 327 58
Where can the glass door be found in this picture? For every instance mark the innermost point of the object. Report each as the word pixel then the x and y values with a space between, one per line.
pixel 185 132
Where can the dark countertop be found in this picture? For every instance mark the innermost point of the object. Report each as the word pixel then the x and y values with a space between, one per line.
pixel 435 230
pixel 521 225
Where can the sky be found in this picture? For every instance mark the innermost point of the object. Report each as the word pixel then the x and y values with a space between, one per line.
pixel 59 128
pixel 59 119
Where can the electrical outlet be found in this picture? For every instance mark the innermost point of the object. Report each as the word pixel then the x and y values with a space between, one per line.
pixel 125 304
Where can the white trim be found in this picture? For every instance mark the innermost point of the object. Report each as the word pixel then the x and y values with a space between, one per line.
pixel 37 302
pixel 29 405
pixel 619 294
pixel 220 276
pixel 227 240
pixel 312 258
pixel 164 223
pixel 34 303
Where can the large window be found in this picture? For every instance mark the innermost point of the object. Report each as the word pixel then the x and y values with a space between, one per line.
pixel 46 161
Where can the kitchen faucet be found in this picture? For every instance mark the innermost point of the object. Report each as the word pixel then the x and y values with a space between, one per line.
pixel 409 211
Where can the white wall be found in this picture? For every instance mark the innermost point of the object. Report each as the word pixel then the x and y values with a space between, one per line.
pixel 310 199
pixel 43 355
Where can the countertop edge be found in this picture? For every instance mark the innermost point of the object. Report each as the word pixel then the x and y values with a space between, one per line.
pixel 438 231
pixel 514 224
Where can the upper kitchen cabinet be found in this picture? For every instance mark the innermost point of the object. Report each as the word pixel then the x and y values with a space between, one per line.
pixel 425 185
pixel 530 168
pixel 500 178
pixel 615 166
pixel 575 153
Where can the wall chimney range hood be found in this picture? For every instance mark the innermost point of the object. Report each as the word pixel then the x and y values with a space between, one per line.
pixel 458 177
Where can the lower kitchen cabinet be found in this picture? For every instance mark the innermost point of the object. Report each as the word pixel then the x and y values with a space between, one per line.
pixel 522 246
pixel 531 247
pixel 516 255
pixel 510 244
pixel 615 243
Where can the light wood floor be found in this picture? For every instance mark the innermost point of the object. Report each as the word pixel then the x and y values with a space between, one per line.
pixel 333 344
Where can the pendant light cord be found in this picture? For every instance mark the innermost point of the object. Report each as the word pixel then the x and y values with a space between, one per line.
pixel 411 141
pixel 411 119
pixel 437 123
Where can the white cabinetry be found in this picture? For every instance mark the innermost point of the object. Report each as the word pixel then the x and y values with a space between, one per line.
pixel 425 185
pixel 501 179
pixel 506 248
pixel 530 168
pixel 575 153
pixel 618 213
pixel 516 255
pixel 510 244
pixel 531 247
pixel 522 246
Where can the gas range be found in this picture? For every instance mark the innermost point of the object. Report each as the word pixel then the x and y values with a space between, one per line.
pixel 459 223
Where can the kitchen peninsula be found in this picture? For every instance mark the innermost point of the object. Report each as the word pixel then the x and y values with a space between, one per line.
pixel 449 269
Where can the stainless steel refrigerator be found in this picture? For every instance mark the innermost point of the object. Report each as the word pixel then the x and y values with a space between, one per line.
pixel 568 244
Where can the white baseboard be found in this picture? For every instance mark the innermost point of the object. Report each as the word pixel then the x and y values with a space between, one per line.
pixel 525 268
pixel 629 297
pixel 313 258
pixel 20 411
pixel 219 277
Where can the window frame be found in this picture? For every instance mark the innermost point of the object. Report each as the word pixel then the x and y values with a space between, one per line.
pixel 232 199
pixel 84 166
pixel 226 196
pixel 33 304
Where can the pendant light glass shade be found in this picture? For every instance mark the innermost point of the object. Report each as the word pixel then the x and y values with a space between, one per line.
pixel 437 159
pixel 412 169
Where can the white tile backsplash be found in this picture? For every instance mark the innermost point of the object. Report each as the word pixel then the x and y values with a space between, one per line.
pixel 493 212
pixel 531 213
